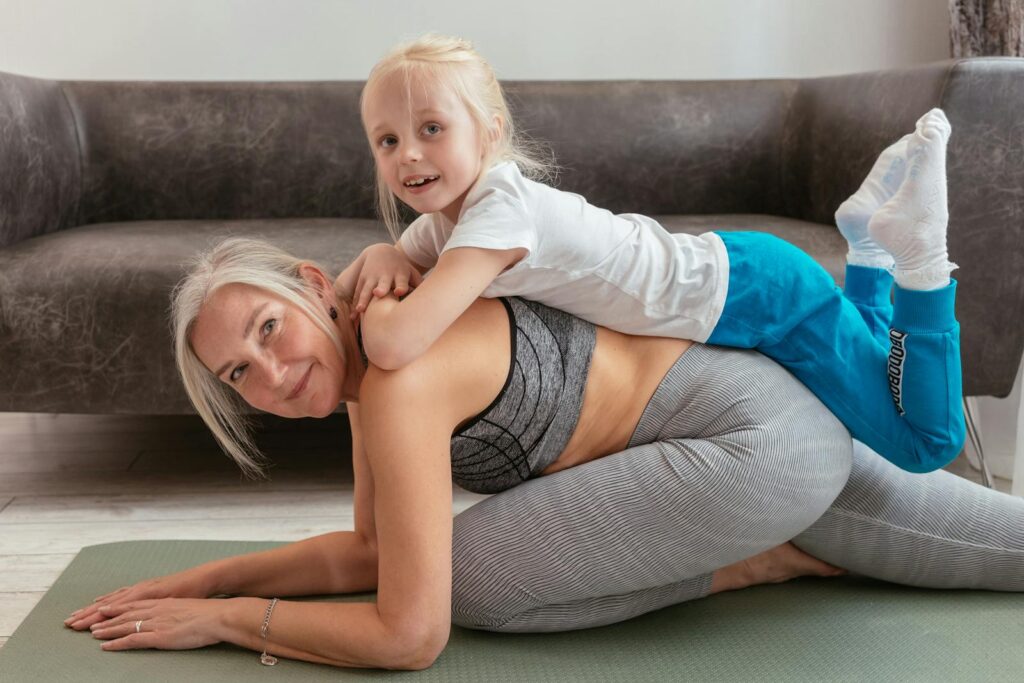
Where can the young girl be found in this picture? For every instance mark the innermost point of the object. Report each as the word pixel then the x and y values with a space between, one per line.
pixel 445 145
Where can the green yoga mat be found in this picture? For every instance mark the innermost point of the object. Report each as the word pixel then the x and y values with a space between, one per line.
pixel 846 629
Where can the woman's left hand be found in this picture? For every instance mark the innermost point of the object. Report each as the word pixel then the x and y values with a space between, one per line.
pixel 167 624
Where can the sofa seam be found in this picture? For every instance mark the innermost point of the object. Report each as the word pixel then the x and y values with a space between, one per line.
pixel 957 63
pixel 81 161
pixel 783 156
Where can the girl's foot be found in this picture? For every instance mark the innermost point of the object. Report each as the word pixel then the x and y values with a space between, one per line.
pixel 777 565
pixel 878 187
pixel 911 226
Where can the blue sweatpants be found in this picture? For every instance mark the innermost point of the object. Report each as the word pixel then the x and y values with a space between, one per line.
pixel 889 371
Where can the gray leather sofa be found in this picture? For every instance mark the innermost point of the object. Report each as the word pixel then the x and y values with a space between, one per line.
pixel 106 188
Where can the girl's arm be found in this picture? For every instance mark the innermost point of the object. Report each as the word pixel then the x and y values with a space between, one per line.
pixel 398 333
pixel 421 268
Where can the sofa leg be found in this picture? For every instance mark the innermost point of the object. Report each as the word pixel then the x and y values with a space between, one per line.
pixel 975 437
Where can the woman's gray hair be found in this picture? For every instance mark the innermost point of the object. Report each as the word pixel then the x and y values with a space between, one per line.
pixel 245 261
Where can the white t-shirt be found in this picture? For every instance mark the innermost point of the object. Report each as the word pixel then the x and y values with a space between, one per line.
pixel 625 272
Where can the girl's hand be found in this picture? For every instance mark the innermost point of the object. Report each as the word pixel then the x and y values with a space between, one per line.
pixel 167 624
pixel 186 584
pixel 379 270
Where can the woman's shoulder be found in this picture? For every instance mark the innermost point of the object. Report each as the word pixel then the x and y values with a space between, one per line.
pixel 460 373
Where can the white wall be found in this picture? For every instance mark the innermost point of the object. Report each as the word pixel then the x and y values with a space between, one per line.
pixel 524 39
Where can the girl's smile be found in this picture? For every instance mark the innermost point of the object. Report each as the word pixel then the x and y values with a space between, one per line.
pixel 418 184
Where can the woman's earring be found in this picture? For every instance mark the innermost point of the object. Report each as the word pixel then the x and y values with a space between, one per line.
pixel 334 313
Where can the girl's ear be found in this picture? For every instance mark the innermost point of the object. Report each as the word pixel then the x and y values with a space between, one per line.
pixel 498 129
pixel 493 136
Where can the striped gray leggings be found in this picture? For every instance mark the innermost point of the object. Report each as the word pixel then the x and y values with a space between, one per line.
pixel 731 457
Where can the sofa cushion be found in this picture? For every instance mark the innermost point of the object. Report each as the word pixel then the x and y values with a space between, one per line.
pixel 823 242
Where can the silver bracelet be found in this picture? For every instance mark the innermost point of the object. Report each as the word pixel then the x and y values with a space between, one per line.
pixel 265 659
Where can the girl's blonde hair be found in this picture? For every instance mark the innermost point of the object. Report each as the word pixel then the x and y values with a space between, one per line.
pixel 451 62
pixel 244 261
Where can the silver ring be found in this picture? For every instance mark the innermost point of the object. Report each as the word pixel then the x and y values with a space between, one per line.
pixel 138 626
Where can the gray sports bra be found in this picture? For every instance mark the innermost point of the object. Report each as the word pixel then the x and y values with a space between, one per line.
pixel 526 427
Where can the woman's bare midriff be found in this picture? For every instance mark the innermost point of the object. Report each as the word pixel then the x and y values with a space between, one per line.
pixel 624 372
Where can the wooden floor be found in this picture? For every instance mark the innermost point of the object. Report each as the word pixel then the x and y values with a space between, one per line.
pixel 68 481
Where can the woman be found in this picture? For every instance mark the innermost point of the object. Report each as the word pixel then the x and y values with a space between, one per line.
pixel 658 471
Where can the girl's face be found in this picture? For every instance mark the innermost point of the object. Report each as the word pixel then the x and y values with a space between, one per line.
pixel 426 144
pixel 270 352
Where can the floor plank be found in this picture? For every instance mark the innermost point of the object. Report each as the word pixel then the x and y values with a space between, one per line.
pixel 16 608
pixel 176 506
pixel 28 539
pixel 205 459
pixel 29 573
pixel 63 423
pixel 47 460
pixel 190 505
pixel 108 483
pixel 70 537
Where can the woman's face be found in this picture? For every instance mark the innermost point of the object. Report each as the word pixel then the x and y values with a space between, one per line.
pixel 270 352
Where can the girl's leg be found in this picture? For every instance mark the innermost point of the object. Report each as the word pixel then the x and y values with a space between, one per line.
pixel 870 291
pixel 868 281
pixel 786 306
pixel 740 457
pixel 908 218
pixel 936 530
pixel 903 402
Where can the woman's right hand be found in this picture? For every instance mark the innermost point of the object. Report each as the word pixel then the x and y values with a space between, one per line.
pixel 191 583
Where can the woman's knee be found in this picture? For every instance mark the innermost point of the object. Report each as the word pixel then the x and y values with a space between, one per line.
pixel 483 595
pixel 801 481
pixel 801 453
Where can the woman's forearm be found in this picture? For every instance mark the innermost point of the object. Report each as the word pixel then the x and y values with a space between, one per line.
pixel 341 634
pixel 338 562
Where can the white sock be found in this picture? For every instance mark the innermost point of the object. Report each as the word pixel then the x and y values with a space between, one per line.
pixel 911 225
pixel 852 216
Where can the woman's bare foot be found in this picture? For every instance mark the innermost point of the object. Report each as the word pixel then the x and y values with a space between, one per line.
pixel 779 564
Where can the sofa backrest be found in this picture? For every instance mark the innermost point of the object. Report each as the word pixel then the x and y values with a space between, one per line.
pixel 267 150
pixel 153 151
pixel 40 171
pixel 75 153
pixel 663 147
